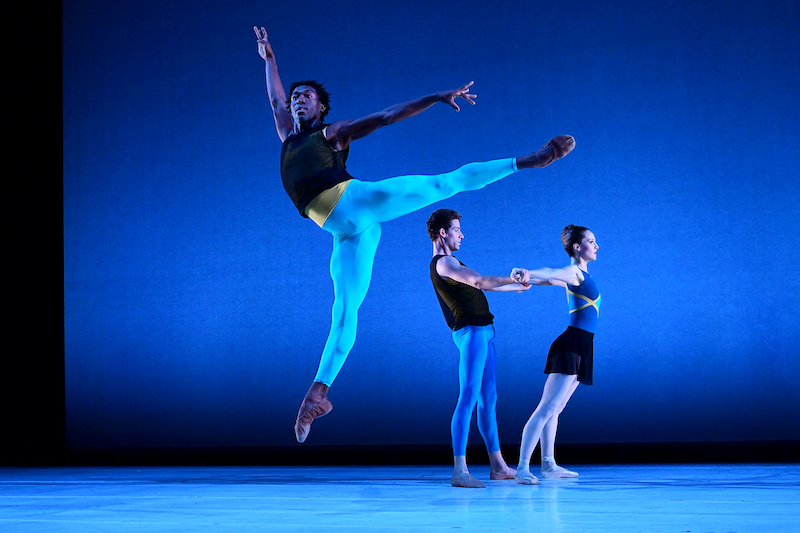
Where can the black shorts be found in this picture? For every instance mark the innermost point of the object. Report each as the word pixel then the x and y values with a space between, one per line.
pixel 572 353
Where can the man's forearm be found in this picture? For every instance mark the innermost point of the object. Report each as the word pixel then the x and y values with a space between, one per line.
pixel 275 91
pixel 405 110
pixel 511 287
pixel 494 283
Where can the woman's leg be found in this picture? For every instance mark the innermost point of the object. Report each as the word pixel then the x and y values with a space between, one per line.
pixel 351 270
pixel 556 389
pixel 548 441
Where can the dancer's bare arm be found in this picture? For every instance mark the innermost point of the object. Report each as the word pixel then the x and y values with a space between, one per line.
pixel 341 133
pixel 449 267
pixel 275 90
pixel 569 275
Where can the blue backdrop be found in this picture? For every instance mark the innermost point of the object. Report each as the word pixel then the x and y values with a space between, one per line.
pixel 197 301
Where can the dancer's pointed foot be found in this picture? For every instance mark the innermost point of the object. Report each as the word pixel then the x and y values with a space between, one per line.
pixel 555 148
pixel 524 477
pixel 315 405
pixel 466 480
pixel 506 473
pixel 552 471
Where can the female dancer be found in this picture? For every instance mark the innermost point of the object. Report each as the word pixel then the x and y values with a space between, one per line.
pixel 570 359
pixel 315 177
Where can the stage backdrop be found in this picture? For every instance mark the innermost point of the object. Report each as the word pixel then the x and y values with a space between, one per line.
pixel 197 300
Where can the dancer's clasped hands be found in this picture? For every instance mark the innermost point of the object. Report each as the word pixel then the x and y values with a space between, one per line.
pixel 520 275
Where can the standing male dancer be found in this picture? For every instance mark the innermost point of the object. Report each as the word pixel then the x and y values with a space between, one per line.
pixel 315 177
pixel 460 292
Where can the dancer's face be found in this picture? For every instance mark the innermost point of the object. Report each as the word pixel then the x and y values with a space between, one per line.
pixel 305 105
pixel 453 237
pixel 588 247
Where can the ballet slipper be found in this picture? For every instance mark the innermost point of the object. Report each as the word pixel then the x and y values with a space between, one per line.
pixel 466 480
pixel 315 405
pixel 508 473
pixel 524 477
pixel 555 471
pixel 555 148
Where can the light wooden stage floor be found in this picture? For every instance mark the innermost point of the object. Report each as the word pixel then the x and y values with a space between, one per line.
pixel 762 498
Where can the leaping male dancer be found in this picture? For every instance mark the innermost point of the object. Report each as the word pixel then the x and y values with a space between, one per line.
pixel 315 177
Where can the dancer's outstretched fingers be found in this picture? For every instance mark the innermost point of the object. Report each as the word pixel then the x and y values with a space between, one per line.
pixel 449 97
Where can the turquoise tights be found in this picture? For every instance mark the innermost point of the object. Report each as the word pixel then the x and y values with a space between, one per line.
pixel 355 225
pixel 477 385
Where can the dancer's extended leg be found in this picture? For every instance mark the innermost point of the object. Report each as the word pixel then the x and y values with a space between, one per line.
pixel 369 202
pixel 556 389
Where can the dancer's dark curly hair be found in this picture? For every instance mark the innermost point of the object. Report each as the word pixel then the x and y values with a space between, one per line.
pixel 441 219
pixel 324 97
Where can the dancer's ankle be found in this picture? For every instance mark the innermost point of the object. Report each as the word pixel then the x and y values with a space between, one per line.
pixel 318 391
pixel 497 463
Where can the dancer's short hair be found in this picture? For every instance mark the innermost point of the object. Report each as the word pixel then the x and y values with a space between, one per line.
pixel 572 235
pixel 441 219
pixel 324 97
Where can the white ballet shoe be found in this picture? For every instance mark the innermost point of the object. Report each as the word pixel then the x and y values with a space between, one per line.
pixel 524 477
pixel 554 471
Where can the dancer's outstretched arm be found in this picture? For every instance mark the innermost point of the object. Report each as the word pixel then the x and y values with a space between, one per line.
pixel 275 90
pixel 569 275
pixel 449 267
pixel 341 133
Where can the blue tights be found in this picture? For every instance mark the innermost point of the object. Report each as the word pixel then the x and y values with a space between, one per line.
pixel 355 225
pixel 477 380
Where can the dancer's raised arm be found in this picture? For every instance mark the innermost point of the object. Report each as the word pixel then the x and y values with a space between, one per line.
pixel 341 133
pixel 275 90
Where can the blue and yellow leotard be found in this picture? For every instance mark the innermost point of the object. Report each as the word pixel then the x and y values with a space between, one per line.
pixel 584 304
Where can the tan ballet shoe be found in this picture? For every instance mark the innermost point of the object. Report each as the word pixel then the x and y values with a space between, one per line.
pixel 509 473
pixel 555 148
pixel 466 480
pixel 315 405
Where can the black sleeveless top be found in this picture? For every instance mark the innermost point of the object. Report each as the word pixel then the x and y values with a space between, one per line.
pixel 461 304
pixel 310 165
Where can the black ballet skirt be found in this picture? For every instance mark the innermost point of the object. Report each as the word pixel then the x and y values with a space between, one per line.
pixel 572 353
